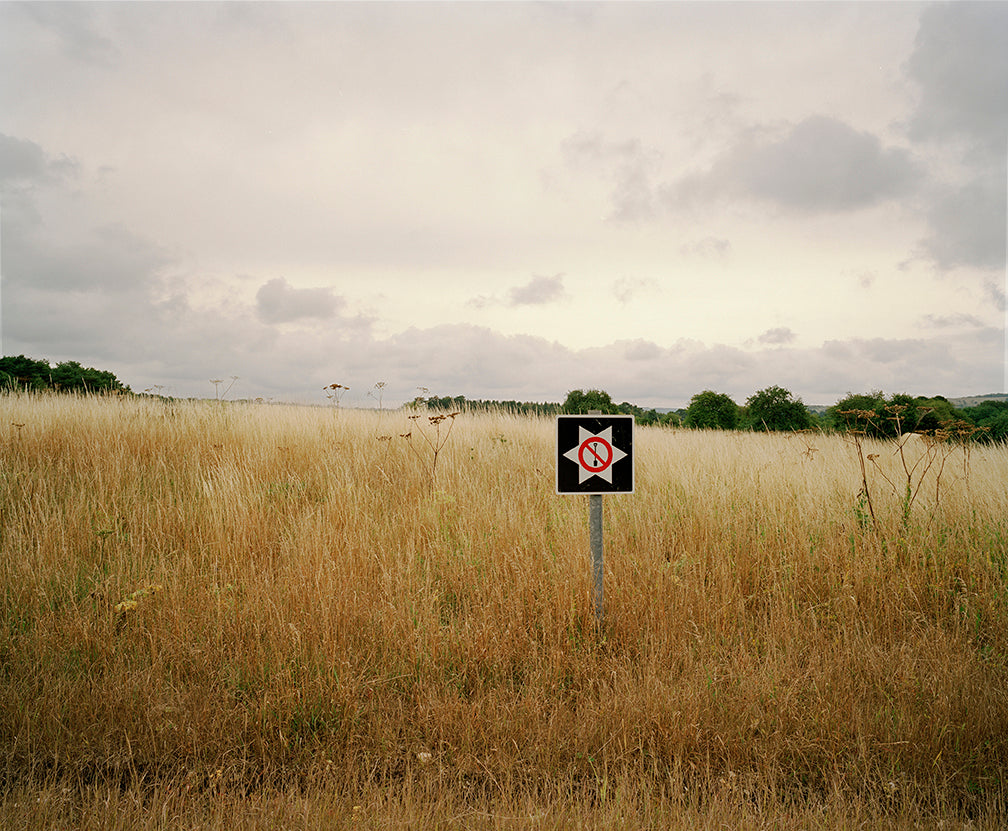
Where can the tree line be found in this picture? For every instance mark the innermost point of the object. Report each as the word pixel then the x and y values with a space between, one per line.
pixel 874 413
pixel 775 409
pixel 21 373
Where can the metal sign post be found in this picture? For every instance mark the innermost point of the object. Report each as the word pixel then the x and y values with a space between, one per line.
pixel 595 540
pixel 595 457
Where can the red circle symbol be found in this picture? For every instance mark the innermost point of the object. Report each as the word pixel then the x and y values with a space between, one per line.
pixel 595 462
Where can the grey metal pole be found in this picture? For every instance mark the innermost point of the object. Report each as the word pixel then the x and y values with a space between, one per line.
pixel 595 539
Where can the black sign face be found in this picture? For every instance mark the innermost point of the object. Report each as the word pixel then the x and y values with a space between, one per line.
pixel 595 454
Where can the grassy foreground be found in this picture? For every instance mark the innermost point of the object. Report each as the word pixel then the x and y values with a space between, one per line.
pixel 217 615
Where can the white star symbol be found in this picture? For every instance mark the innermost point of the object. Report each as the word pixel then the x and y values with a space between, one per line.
pixel 594 454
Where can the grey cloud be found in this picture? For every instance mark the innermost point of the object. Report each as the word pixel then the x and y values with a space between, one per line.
pixel 23 162
pixel 474 361
pixel 820 165
pixel 905 357
pixel 722 366
pixel 99 295
pixel 109 260
pixel 58 325
pixel 278 302
pixel 949 365
pixel 642 350
pixel 943 363
pixel 171 343
pixel 953 321
pixel 996 294
pixel 633 193
pixel 20 160
pixel 884 350
pixel 26 173
pixel 76 28
pixel 966 224
pixel 538 291
pixel 481 301
pixel 961 64
pixel 629 165
pixel 132 263
pixel 88 294
pixel 481 363
pixel 946 364
pixel 626 288
pixel 709 247
pixel 778 336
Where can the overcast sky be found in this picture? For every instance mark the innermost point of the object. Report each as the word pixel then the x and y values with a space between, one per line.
pixel 508 200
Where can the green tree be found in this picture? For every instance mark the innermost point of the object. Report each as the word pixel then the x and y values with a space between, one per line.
pixel 26 373
pixel 641 416
pixel 774 408
pixel 934 412
pixel 885 418
pixel 712 410
pixel 581 402
pixel 460 402
pixel 992 417
pixel 859 411
pixel 68 376
pixel 648 417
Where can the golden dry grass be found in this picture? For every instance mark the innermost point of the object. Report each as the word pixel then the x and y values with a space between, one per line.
pixel 260 615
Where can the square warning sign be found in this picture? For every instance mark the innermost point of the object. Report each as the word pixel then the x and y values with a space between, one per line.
pixel 595 454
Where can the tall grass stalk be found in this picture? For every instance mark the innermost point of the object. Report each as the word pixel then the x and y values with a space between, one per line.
pixel 256 608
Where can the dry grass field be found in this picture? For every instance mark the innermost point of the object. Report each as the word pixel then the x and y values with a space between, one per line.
pixel 258 616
